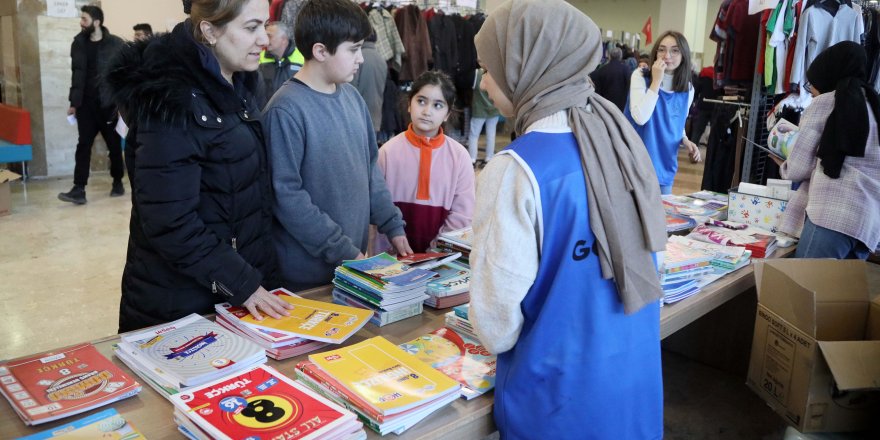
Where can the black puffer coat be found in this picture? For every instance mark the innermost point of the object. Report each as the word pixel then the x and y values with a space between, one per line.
pixel 200 229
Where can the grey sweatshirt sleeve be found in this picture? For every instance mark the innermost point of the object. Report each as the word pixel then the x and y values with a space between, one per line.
pixel 504 260
pixel 383 213
pixel 295 210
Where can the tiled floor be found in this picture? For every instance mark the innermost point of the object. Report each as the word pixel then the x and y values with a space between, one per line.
pixel 60 269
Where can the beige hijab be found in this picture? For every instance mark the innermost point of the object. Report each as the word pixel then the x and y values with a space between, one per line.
pixel 540 52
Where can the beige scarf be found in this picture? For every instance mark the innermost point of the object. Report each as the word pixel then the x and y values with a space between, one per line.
pixel 540 52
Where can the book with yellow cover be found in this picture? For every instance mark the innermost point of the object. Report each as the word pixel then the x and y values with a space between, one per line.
pixel 388 378
pixel 315 320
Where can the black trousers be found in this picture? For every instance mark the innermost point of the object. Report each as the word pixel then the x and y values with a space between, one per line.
pixel 91 119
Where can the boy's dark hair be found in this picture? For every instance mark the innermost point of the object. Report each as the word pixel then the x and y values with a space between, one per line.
pixel 143 27
pixel 95 12
pixel 435 78
pixel 645 57
pixel 331 23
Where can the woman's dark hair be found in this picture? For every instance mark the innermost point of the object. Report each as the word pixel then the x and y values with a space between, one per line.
pixel 681 79
pixel 435 78
pixel 217 12
pixel 331 23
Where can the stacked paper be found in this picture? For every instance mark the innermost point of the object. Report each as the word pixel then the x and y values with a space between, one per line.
pixel 261 401
pixel 311 325
pixel 389 389
pixel 185 353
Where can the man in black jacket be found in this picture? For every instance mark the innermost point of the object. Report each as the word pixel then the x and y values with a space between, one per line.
pixel 280 61
pixel 612 79
pixel 91 50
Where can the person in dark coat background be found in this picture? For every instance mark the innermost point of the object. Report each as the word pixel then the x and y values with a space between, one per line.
pixel 280 61
pixel 200 230
pixel 612 79
pixel 90 52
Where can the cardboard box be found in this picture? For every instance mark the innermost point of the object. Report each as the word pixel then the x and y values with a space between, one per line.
pixel 761 211
pixel 6 176
pixel 815 351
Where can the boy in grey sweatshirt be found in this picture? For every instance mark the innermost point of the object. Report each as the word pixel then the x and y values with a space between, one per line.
pixel 322 153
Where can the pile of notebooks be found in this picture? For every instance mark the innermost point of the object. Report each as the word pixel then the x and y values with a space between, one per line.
pixel 460 240
pixel 707 206
pixel 458 356
pixel 311 325
pixel 458 320
pixel 390 390
pixel 259 403
pixel 60 383
pixel 382 284
pixel 451 287
pixel 759 242
pixel 105 424
pixel 186 353
pixel 681 268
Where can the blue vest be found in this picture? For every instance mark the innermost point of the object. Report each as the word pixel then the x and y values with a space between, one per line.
pixel 581 368
pixel 663 132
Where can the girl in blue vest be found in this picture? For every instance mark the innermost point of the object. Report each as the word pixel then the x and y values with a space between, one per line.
pixel 564 288
pixel 659 99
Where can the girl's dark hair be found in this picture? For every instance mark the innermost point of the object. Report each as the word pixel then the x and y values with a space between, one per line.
pixel 217 12
pixel 681 79
pixel 435 78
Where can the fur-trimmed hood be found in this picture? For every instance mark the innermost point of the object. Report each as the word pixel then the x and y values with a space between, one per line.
pixel 155 81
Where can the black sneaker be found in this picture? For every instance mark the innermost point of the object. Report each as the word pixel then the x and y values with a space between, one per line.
pixel 76 195
pixel 118 189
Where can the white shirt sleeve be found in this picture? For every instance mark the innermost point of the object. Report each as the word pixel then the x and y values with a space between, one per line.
pixel 504 260
pixel 642 99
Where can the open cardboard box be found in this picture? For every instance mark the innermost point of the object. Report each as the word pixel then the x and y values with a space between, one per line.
pixel 6 176
pixel 816 348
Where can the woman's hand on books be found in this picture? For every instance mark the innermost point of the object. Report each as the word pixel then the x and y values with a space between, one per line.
pixel 401 245
pixel 271 305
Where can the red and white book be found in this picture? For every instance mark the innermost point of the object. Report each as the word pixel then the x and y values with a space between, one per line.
pixel 263 402
pixel 55 384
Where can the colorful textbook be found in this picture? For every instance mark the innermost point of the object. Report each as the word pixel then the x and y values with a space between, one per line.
pixel 60 383
pixel 387 378
pixel 187 352
pixel 104 425
pixel 261 403
pixel 309 319
pixel 457 356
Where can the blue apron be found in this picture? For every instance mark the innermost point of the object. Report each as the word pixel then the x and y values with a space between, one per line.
pixel 663 131
pixel 581 368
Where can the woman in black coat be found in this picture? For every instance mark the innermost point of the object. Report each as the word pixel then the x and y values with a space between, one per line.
pixel 201 216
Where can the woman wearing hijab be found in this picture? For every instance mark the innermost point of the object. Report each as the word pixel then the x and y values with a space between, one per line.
pixel 564 287
pixel 837 156
pixel 201 216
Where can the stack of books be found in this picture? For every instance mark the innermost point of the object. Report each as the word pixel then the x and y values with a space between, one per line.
pixel 60 383
pixel 105 424
pixel 695 207
pixel 760 244
pixel 261 403
pixel 458 320
pixel 451 288
pixel 678 222
pixel 390 289
pixel 726 258
pixel 458 356
pixel 682 265
pixel 389 389
pixel 310 326
pixel 185 353
pixel 460 240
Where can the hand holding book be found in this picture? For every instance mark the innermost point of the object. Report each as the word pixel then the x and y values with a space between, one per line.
pixel 262 300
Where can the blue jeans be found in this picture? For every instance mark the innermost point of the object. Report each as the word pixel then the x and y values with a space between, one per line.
pixel 819 242
pixel 665 189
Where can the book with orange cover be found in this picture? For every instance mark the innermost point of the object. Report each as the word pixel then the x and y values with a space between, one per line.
pixel 60 383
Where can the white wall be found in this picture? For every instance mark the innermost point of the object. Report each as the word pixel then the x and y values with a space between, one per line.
pixel 121 15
